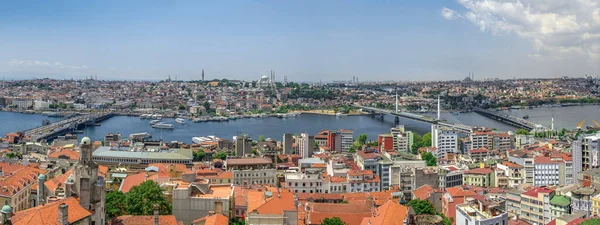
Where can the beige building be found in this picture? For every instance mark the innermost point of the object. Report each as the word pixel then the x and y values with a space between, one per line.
pixel 513 173
pixel 16 183
pixel 194 198
pixel 535 205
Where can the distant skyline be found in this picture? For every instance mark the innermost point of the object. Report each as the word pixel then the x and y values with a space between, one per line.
pixel 306 40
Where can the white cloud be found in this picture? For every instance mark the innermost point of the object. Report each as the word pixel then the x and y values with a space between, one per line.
pixel 556 28
pixel 44 64
pixel 448 13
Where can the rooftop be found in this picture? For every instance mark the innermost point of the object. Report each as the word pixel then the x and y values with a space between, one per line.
pixel 560 200
pixel 248 161
pixel 47 214
pixel 144 220
pixel 106 151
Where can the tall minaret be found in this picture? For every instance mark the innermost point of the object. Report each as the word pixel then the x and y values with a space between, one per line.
pixel 552 124
pixel 202 74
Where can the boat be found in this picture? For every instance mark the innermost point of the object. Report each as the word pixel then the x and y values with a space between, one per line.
pixel 180 120
pixel 152 122
pixel 153 116
pixel 139 136
pixel 163 126
pixel 526 117
pixel 144 116
pixel 340 114
pixel 159 117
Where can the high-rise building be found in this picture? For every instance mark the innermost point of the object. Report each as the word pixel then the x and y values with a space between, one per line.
pixel 403 139
pixel 287 144
pixel 243 145
pixel 445 141
pixel 347 139
pixel 586 154
pixel 305 145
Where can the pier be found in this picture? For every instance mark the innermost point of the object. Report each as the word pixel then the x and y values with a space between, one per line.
pixel 53 130
pixel 513 121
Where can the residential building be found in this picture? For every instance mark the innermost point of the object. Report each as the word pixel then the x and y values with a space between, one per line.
pixel 559 205
pixel 390 213
pixel 502 141
pixel 581 200
pixel 305 145
pixel 449 176
pixel 586 153
pixel 64 211
pixel 155 219
pixel 288 140
pixel 350 213
pixel 513 202
pixel 403 139
pixel 481 177
pixel 309 181
pixel 481 139
pixel 547 172
pixel 514 173
pixel 385 142
pixel 276 207
pixel 452 197
pixel 347 139
pixel 535 205
pixel 249 171
pixel 523 140
pixel 446 141
pixel 22 103
pixel 475 212
pixel 243 145
pixel 527 161
pixel 478 154
pixel 363 181
pixel 193 198
pixel 596 205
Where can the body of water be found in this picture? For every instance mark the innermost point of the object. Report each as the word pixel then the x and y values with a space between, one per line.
pixel 275 127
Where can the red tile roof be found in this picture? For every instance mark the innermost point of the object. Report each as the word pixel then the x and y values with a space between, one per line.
pixel 145 220
pixel 132 181
pixel 545 160
pixel 423 192
pixel 479 171
pixel 534 192
pixel 48 214
pixel 479 150
pixel 216 219
pixel 58 181
pixel 511 165
pixel 390 213
pixel 351 214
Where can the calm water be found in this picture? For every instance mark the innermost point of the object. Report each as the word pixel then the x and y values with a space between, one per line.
pixel 275 127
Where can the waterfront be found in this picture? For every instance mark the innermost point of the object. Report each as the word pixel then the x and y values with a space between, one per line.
pixel 275 127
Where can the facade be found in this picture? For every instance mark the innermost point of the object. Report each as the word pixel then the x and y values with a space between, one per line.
pixel 403 139
pixel 586 153
pixel 481 139
pixel 581 200
pixel 363 181
pixel 502 141
pixel 478 154
pixel 199 198
pixel 548 172
pixel 527 161
pixel 513 202
pixel 17 182
pixel 535 205
pixel 449 176
pixel 385 142
pixel 249 171
pixel 560 205
pixel 446 141
pixel 481 177
pixel 475 212
pixel 310 181
pixel 347 139
pixel 305 145
pixel 243 145
pixel 288 140
pixel 140 155
pixel 514 173
pixel 596 205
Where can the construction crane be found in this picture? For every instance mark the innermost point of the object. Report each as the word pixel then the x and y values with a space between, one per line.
pixel 580 124
pixel 596 127
pixel 596 123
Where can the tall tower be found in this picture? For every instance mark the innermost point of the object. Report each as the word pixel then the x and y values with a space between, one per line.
pixel 202 74
pixel 396 100
pixel 89 187
pixel 41 196
pixel 285 81
pixel 438 108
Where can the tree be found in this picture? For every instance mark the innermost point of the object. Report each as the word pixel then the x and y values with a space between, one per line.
pixel 115 204
pixel 563 132
pixel 429 158
pixel 261 138
pixel 362 139
pixel 181 107
pixel 522 131
pixel 351 149
pixel 199 155
pixel 426 140
pixel 141 199
pixel 333 221
pixel 590 222
pixel 220 155
pixel 422 207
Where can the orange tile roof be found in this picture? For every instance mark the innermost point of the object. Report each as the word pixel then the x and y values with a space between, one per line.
pixel 16 177
pixel 65 152
pixel 459 192
pixel 216 219
pixel 479 171
pixel 132 181
pixel 145 220
pixel 102 170
pixel 545 160
pixel 58 181
pixel 274 205
pixel 47 214
pixel 511 165
pixel 390 213
pixel 423 192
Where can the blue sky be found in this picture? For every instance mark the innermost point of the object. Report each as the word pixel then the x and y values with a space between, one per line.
pixel 305 40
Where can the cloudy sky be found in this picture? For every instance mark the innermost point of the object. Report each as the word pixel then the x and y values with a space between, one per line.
pixel 307 40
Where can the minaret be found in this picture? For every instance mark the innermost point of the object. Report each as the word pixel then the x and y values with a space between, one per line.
pixel 552 124
pixel 396 101
pixel 438 108
pixel 202 74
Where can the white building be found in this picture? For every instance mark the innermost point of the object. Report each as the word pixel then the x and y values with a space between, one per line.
pixel 22 103
pixel 586 153
pixel 474 212
pixel 311 181
pixel 305 148
pixel 481 140
pixel 41 105
pixel 403 140
pixel 363 181
pixel 546 172
pixel 446 141
pixel 347 137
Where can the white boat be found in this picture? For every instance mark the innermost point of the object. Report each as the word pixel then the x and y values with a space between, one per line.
pixel 152 122
pixel 153 116
pixel 163 126
pixel 140 136
pixel 159 117
pixel 340 114
pixel 143 116
pixel 180 120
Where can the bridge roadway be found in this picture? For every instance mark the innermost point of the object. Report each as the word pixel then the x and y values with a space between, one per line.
pixel 513 121
pixel 422 118
pixel 55 129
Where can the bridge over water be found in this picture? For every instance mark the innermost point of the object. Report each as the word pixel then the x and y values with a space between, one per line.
pixel 53 130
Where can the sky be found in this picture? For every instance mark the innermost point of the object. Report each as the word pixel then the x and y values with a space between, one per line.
pixel 308 40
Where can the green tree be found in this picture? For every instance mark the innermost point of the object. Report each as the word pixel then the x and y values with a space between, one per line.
pixel 362 139
pixel 429 158
pixel 115 204
pixel 333 221
pixel 522 131
pixel 199 155
pixel 351 149
pixel 261 138
pixel 590 222
pixel 563 132
pixel 220 155
pixel 181 107
pixel 141 199
pixel 426 140
pixel 422 207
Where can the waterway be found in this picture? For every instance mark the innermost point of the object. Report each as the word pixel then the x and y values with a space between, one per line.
pixel 275 127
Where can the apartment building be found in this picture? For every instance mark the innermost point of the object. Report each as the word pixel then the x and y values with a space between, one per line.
pixel 309 181
pixel 446 141
pixel 535 205
pixel 403 139
pixel 479 154
pixel 475 212
pixel 385 142
pixel 481 177
pixel 548 172
pixel 514 173
pixel 586 153
pixel 449 176
pixel 249 171
pixel 527 161
pixel 305 145
pixel 481 139
pixel 363 181
pixel 347 138
pixel 502 141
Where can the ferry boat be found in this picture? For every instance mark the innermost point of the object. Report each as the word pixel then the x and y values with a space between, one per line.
pixel 138 136
pixel 163 126
pixel 180 120
pixel 159 117
pixel 152 122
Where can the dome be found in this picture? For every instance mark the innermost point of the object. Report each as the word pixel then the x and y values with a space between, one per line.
pixel 6 209
pixel 42 177
pixel 86 141
pixel 264 77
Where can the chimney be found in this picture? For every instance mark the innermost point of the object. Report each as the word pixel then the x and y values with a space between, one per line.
pixel 156 207
pixel 63 214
